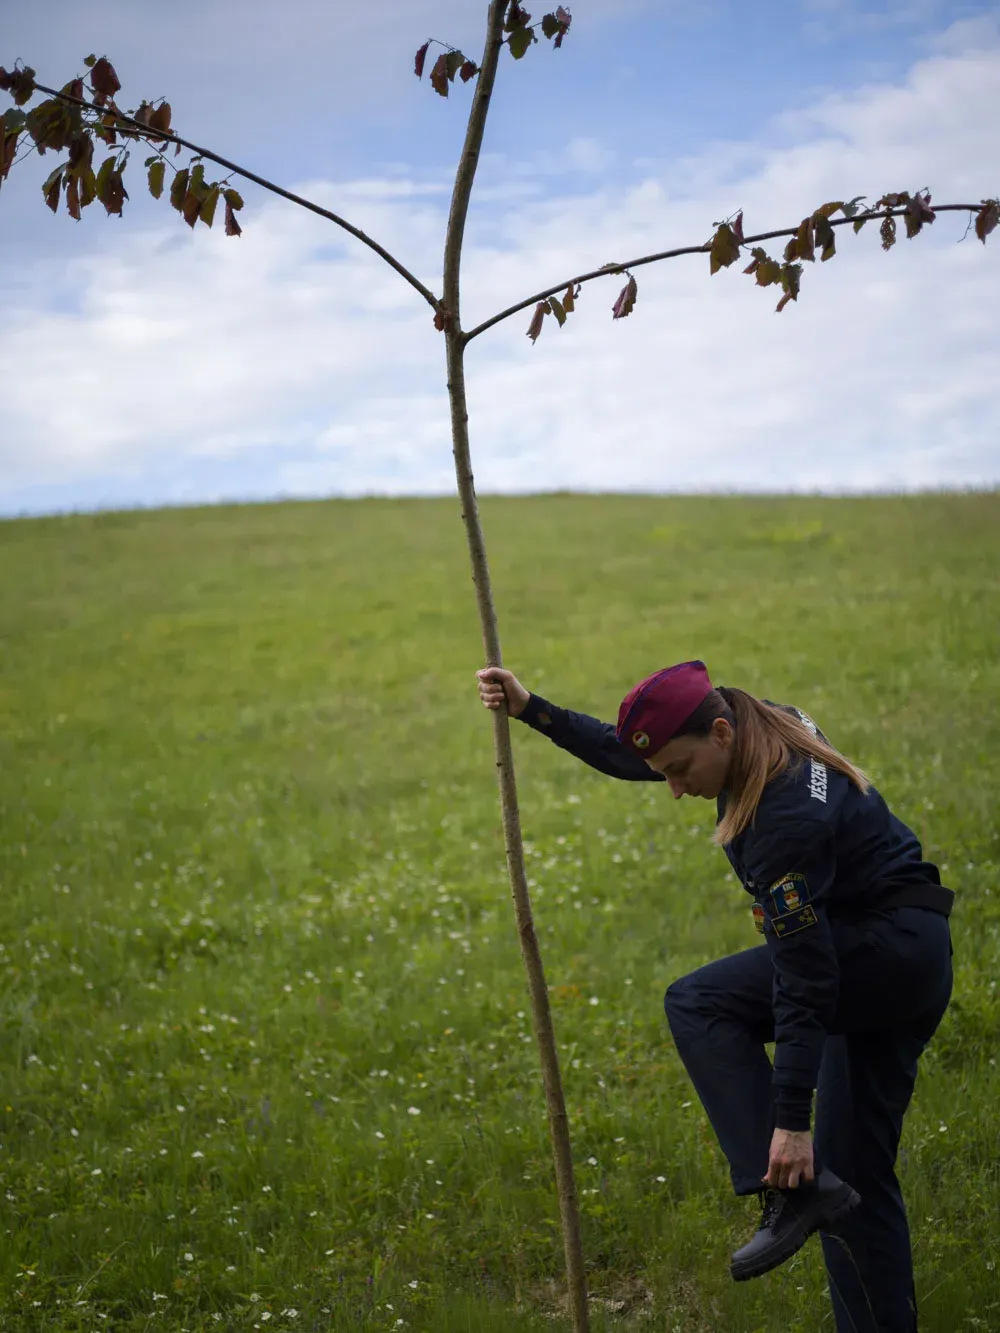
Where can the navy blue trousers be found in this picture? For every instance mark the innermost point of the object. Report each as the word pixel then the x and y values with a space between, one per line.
pixel 895 983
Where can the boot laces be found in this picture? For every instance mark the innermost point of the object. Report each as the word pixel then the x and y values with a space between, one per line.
pixel 771 1206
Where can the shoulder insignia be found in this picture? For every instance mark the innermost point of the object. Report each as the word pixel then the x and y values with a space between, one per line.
pixel 788 894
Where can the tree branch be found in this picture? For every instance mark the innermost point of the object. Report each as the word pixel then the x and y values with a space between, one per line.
pixel 151 138
pixel 688 250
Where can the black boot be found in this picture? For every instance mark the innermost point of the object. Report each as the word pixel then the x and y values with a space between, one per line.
pixel 788 1219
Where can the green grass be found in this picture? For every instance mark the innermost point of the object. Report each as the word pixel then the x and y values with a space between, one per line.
pixel 255 914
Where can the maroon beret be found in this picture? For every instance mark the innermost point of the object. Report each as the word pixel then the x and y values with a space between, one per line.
pixel 654 710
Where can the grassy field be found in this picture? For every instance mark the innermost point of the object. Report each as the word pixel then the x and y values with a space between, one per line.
pixel 264 1034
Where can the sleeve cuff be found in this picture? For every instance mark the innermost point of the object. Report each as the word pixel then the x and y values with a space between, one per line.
pixel 793 1109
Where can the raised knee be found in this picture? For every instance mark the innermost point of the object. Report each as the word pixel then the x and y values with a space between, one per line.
pixel 679 998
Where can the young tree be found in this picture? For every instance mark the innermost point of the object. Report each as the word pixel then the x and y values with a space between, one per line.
pixel 83 119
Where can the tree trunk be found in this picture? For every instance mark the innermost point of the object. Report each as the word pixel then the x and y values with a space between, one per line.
pixel 541 1011
pixel 455 343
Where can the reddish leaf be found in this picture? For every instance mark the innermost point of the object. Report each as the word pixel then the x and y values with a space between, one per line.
pixel 537 320
pixel 987 218
pixel 106 131
pixel 194 195
pixel 894 200
pixel 81 151
pixel 887 231
pixel 156 174
pixel 918 211
pixel 160 119
pixel 8 150
pixel 626 300
pixel 804 247
pixel 104 80
pixel 725 249
pixel 738 227
pixel 75 89
pixel 114 194
pixel 51 124
pixel 557 309
pixel 20 83
pixel 468 71
pixel 439 74
pixel 791 249
pixel 233 228
pixel 442 319
pixel 179 189
pixel 569 299
pixel 418 63
pixel 825 237
pixel 52 186
pixel 191 206
pixel 790 275
pixel 563 19
pixel 73 198
pixel 517 17
pixel 143 114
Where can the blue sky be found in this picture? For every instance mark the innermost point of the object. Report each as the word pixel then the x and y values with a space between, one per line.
pixel 157 366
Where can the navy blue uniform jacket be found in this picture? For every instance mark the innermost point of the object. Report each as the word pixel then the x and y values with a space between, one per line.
pixel 817 849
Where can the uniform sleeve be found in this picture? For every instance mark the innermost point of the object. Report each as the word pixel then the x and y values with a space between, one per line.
pixel 793 870
pixel 588 739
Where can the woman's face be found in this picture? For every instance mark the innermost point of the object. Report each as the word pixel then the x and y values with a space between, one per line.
pixel 697 765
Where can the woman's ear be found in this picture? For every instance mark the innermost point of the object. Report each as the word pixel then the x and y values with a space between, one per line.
pixel 722 732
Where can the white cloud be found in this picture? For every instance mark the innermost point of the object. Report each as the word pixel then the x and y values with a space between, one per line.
pixel 294 350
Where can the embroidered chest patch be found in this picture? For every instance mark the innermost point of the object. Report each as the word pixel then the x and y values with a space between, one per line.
pixel 758 918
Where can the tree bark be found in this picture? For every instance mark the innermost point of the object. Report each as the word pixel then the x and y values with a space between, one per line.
pixel 455 347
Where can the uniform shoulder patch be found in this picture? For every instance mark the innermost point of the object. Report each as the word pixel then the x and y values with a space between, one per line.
pixel 787 905
pixel 788 894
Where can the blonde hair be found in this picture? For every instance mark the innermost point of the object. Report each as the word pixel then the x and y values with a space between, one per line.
pixel 767 741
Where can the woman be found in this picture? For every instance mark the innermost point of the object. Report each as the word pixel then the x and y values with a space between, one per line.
pixel 850 983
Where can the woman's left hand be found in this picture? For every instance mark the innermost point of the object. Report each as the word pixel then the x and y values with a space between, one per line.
pixel 790 1162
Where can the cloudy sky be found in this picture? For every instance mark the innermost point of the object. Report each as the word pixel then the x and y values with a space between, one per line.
pixel 146 364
